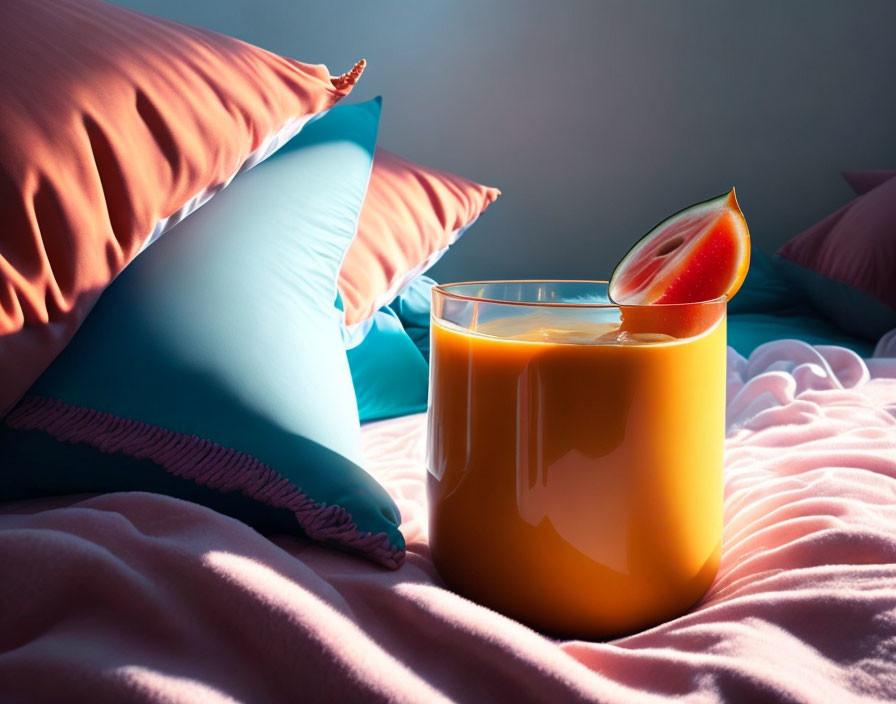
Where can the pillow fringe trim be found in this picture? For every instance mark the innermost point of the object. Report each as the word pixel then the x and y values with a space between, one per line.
pixel 205 463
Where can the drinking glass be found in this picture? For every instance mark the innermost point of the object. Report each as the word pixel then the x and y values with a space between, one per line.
pixel 574 466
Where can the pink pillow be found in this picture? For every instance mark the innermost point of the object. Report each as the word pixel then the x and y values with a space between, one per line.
pixel 863 181
pixel 846 264
pixel 410 217
pixel 856 245
pixel 113 126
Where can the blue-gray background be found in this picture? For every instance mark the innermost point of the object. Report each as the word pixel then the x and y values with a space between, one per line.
pixel 596 117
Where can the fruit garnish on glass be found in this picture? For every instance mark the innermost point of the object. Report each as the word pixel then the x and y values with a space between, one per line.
pixel 698 254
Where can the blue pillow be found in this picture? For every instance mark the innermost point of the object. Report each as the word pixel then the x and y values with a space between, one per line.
pixel 390 376
pixel 765 289
pixel 746 331
pixel 853 310
pixel 412 306
pixel 390 362
pixel 213 368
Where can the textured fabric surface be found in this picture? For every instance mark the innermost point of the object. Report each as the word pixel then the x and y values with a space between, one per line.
pixel 113 125
pixel 142 598
pixel 213 366
pixel 411 215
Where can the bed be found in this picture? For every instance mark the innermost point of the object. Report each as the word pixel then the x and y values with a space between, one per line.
pixel 147 598
pixel 212 368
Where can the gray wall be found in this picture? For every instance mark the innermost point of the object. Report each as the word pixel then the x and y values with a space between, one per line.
pixel 597 118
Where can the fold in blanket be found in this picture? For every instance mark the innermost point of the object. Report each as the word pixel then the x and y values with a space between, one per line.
pixel 135 597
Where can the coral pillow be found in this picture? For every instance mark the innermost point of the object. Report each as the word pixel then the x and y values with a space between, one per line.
pixel 113 126
pixel 411 215
pixel 847 262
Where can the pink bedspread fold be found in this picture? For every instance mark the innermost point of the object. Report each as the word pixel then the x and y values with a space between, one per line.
pixel 136 597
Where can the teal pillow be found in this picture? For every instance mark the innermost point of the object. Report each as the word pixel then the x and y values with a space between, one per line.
pixel 390 364
pixel 746 331
pixel 769 306
pixel 412 306
pixel 390 376
pixel 852 309
pixel 213 368
pixel 765 289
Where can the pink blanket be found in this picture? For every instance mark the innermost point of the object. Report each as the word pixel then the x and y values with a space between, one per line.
pixel 135 597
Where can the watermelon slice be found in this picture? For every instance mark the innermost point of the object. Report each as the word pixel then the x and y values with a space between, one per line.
pixel 699 254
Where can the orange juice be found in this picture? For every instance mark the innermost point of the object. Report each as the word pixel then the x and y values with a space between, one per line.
pixel 575 474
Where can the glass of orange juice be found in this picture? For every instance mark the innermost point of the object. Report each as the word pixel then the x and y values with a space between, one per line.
pixel 575 453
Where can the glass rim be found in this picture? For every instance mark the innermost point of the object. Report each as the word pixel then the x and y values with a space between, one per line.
pixel 442 289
